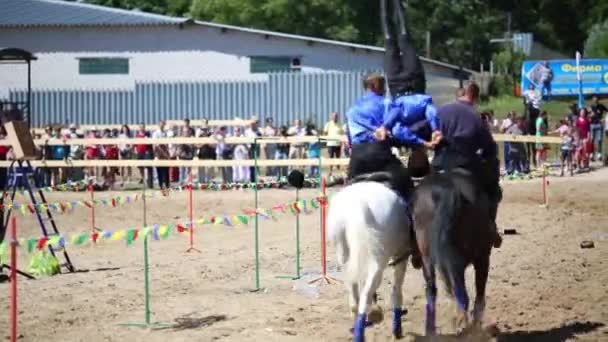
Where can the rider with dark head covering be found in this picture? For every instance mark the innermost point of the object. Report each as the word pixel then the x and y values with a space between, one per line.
pixel 410 114
pixel 468 144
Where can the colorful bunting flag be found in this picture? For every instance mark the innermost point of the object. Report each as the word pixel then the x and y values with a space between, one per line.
pixel 158 232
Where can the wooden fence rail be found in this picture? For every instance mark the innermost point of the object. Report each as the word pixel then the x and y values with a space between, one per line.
pixel 242 140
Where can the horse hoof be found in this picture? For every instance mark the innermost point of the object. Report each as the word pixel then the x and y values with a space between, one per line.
pixel 376 315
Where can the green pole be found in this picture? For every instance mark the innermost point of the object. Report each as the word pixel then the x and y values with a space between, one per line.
pixel 297 238
pixel 257 241
pixel 148 313
pixel 146 281
pixel 146 264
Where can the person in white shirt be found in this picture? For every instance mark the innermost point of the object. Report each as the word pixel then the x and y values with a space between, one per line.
pixel 254 150
pixel 241 152
pixel 506 123
pixel 296 150
pixel 161 152
pixel 533 103
pixel 270 149
pixel 223 152
pixel 333 129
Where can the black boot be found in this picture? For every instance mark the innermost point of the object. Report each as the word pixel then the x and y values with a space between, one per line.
pixel 384 19
pixel 496 238
pixel 400 17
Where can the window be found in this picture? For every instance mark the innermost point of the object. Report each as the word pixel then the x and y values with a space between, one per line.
pixel 261 64
pixel 100 66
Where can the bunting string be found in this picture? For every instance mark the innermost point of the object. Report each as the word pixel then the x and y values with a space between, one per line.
pixel 161 232
pixel 82 185
pixel 70 206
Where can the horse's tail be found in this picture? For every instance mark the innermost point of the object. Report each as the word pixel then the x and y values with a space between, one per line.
pixel 442 250
pixel 336 225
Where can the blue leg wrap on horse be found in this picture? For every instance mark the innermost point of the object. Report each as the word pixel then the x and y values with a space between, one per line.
pixel 431 297
pixel 461 298
pixel 397 314
pixel 359 330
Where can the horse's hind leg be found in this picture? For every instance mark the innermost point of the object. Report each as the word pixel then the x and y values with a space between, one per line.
pixel 397 297
pixel 482 267
pixel 431 294
pixel 462 298
pixel 374 278
pixel 353 296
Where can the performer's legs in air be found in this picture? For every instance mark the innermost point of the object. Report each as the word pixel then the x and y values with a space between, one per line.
pixel 399 77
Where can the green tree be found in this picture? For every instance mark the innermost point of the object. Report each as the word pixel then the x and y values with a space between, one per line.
pixel 596 45
pixel 460 30
pixel 508 71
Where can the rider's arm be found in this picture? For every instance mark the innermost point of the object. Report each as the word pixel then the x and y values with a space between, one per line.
pixel 431 117
pixel 394 115
pixel 405 136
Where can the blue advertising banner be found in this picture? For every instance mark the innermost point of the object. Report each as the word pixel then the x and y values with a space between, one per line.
pixel 559 77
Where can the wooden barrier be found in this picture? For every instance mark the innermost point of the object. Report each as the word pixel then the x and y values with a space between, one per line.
pixel 243 140
pixel 183 163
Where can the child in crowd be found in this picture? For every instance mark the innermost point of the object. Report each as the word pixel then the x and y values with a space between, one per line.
pixel 517 150
pixel 567 147
pixel 314 150
pixel 282 151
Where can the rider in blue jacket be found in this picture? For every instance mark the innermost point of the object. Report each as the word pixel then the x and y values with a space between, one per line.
pixel 368 154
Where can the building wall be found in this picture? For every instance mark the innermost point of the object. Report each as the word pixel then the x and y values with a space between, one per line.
pixel 192 52
pixel 283 96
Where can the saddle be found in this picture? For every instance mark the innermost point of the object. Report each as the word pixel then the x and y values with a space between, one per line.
pixel 464 181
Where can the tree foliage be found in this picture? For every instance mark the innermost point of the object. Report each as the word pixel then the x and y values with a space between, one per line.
pixel 596 45
pixel 460 30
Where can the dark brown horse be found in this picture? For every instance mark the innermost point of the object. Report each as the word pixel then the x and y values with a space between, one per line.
pixel 453 231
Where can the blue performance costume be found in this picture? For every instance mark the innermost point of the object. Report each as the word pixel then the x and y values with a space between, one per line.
pixel 411 119
pixel 368 154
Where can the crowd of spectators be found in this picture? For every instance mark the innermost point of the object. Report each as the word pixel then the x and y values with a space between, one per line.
pixel 163 177
pixel 581 130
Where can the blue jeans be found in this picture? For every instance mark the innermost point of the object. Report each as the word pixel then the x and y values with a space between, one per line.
pixel 184 174
pixel 282 171
pixel 507 148
pixel 597 136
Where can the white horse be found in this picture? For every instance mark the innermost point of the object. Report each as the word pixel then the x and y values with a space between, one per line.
pixel 369 226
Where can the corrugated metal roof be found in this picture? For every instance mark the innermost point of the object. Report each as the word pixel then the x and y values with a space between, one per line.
pixel 40 13
pixel 319 41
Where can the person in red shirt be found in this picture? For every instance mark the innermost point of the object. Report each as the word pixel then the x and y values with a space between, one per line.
pixel 144 152
pixel 91 152
pixel 111 153
pixel 583 126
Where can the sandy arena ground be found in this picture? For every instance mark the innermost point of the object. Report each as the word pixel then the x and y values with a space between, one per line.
pixel 542 287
